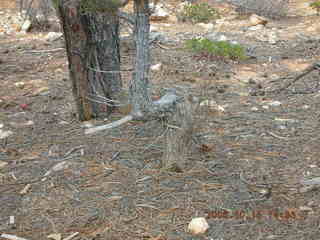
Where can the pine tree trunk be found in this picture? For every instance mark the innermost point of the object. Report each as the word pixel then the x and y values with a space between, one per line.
pixel 92 43
pixel 139 86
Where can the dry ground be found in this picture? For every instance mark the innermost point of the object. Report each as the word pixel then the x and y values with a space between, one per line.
pixel 110 185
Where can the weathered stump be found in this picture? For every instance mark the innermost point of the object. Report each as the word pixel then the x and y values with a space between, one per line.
pixel 181 127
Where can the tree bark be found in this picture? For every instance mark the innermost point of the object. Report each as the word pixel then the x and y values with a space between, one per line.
pixel 181 125
pixel 139 87
pixel 92 43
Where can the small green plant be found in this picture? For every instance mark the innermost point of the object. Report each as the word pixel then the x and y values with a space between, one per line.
pixel 316 5
pixel 222 49
pixel 200 12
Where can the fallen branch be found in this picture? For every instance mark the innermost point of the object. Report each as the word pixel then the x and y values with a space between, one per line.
pixel 11 237
pixel 160 106
pixel 315 66
pixel 108 126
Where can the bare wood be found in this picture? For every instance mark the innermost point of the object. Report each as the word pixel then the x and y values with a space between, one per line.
pixel 108 126
pixel 161 105
pixel 179 138
pixel 315 66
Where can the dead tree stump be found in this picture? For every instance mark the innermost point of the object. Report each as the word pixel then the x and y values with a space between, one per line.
pixel 181 125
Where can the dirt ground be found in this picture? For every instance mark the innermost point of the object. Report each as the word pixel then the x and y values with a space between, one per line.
pixel 244 174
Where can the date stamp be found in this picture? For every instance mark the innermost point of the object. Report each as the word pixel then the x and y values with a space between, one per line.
pixel 286 215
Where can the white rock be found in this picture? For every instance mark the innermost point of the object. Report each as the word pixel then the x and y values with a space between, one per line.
pixel 159 13
pixel 222 38
pixel 213 105
pixel 5 134
pixel 52 36
pixel 205 26
pixel 153 28
pixel 87 124
pixel 274 103
pixel 254 109
pixel 198 226
pixel 216 37
pixel 1 125
pixel 20 84
pixel 55 236
pixel 157 67
pixel 3 164
pixel 26 26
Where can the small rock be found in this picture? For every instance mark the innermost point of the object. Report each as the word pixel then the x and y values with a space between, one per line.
pixel 1 125
pixel 26 26
pixel 20 84
pixel 159 13
pixel 198 226
pixel 54 151
pixel 205 26
pixel 256 20
pixel 216 37
pixel 212 104
pixel 5 134
pixel 53 36
pixel 3 164
pixel 153 28
pixel 156 67
pixel 274 103
pixel 254 109
pixel 87 124
pixel 55 236
pixel 272 38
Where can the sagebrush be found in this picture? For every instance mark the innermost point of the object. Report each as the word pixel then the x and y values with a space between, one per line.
pixel 223 49
pixel 199 12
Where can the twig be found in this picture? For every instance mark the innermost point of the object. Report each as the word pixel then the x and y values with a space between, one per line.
pixel 277 136
pixel 45 51
pixel 71 151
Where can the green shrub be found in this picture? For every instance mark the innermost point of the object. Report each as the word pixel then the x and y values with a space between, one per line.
pixel 216 48
pixel 196 13
pixel 316 5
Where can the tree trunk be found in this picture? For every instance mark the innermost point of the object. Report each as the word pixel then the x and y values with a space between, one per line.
pixel 139 87
pixel 92 43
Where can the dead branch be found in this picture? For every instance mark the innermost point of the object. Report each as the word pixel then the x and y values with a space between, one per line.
pixel 315 66
pixel 160 106
pixel 108 126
